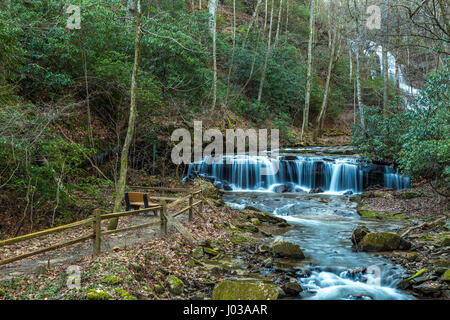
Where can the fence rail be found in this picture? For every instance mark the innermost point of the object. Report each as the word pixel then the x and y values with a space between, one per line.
pixel 97 218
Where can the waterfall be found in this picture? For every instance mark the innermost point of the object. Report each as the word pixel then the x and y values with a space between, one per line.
pixel 407 89
pixel 296 174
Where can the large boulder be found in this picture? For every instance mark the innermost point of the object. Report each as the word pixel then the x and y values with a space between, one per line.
pixel 380 241
pixel 359 233
pixel 246 289
pixel 283 248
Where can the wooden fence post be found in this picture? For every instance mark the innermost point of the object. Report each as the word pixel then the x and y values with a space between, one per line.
pixel 201 203
pixel 191 209
pixel 97 231
pixel 163 217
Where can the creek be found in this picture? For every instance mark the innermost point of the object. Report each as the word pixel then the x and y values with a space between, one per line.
pixel 322 222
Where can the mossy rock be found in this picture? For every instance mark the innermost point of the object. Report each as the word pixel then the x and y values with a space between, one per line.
pixel 97 294
pixel 446 276
pixel 209 190
pixel 380 241
pixel 264 216
pixel 176 286
pixel 412 256
pixel 283 248
pixel 198 253
pixel 2 293
pixel 246 289
pixel 125 294
pixel 112 280
pixel 255 221
pixel 445 241
pixel 406 283
pixel 248 227
pixel 158 289
pixel 239 239
pixel 211 252
pixel 359 233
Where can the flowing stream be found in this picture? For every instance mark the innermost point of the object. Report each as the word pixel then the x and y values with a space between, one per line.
pixel 322 222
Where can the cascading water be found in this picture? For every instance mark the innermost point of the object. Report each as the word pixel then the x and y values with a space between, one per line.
pixel 296 174
pixel 321 223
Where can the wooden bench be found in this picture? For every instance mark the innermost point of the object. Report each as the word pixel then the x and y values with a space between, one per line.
pixel 136 200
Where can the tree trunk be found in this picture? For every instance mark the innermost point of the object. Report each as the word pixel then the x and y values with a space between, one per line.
pixel 308 76
pixel 358 87
pixel 254 17
pixel 233 52
pixel 321 117
pixel 263 75
pixel 120 187
pixel 385 61
pixel 277 34
pixel 212 7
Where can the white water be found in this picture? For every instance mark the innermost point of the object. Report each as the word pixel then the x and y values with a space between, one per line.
pixel 294 173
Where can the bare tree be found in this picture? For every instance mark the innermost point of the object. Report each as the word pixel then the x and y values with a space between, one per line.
pixel 120 187
pixel 308 76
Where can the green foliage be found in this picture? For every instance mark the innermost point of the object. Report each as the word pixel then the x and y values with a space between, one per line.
pixel 418 139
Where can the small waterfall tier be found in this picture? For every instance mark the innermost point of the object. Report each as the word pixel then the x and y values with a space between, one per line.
pixel 292 173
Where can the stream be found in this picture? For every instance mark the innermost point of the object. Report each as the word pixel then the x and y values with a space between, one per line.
pixel 322 223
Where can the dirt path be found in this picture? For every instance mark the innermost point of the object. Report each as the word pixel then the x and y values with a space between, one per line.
pixel 38 264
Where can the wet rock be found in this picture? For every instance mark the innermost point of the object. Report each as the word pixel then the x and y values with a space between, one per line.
pixel 292 288
pixel 283 248
pixel 280 189
pixel 359 233
pixel 429 288
pixel 380 241
pixel 290 187
pixel 246 289
pixel 404 245
pixel 348 193
pixel 176 286
pixel 316 190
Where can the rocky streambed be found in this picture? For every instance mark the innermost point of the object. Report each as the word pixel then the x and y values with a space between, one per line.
pixel 340 251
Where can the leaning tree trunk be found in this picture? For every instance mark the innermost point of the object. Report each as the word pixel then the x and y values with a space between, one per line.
pixel 308 76
pixel 120 187
pixel 321 117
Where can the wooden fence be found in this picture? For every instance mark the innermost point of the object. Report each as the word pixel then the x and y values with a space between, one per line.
pixel 97 218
